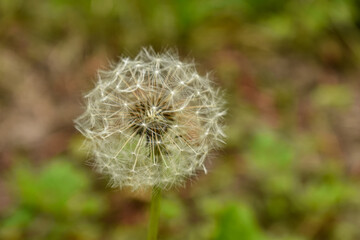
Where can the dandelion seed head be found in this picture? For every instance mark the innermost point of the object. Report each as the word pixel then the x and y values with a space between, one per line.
pixel 144 128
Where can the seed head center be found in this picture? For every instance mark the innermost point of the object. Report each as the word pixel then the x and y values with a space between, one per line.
pixel 151 118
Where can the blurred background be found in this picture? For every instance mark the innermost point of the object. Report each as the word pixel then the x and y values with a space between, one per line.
pixel 291 166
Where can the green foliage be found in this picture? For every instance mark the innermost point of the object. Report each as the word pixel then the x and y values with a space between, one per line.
pixel 333 96
pixel 58 189
pixel 325 196
pixel 59 193
pixel 237 221
pixel 267 151
pixel 271 158
pixel 171 209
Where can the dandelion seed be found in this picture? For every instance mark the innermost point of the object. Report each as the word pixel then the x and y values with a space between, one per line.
pixel 149 129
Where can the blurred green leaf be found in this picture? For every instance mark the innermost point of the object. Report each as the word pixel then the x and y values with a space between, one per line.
pixel 58 188
pixel 333 96
pixel 325 196
pixel 237 222
pixel 19 218
pixel 171 208
pixel 54 201
pixel 268 151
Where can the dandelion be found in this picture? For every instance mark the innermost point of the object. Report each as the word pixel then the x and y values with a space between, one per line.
pixel 151 121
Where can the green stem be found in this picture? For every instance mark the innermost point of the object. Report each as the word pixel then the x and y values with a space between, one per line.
pixel 154 213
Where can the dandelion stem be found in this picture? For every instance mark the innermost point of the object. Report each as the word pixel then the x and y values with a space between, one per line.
pixel 154 213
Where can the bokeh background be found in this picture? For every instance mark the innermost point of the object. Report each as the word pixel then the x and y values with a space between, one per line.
pixel 291 166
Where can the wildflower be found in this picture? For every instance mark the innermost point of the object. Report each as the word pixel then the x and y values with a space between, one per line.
pixel 151 121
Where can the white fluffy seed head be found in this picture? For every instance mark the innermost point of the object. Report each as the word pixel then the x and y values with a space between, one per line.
pixel 151 121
